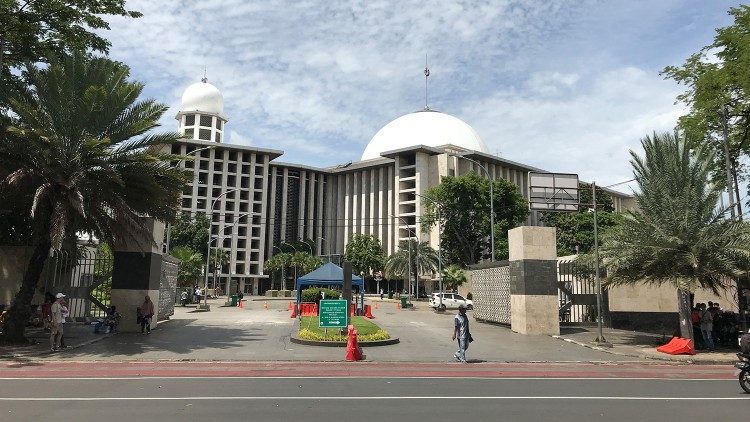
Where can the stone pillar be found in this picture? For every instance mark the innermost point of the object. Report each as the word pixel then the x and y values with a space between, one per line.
pixel 533 281
pixel 136 272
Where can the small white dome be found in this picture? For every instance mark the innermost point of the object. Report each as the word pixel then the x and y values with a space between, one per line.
pixel 430 128
pixel 202 96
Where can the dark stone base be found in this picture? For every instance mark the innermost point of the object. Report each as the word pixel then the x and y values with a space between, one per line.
pixel 650 322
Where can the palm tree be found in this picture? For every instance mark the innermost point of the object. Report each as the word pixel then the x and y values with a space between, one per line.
pixel 83 150
pixel 677 235
pixel 424 259
pixel 191 264
pixel 279 262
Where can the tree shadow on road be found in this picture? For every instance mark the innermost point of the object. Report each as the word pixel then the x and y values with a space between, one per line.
pixel 180 337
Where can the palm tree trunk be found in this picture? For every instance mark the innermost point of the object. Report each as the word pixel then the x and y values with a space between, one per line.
pixel 14 328
pixel 683 307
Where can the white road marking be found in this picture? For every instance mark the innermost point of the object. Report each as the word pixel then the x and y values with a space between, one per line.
pixel 136 378
pixel 327 398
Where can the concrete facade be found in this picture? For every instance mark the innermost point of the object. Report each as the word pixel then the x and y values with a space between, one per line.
pixel 533 281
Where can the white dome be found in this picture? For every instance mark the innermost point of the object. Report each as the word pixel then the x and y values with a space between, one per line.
pixel 202 96
pixel 430 128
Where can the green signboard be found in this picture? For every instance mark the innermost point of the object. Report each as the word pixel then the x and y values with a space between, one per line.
pixel 333 314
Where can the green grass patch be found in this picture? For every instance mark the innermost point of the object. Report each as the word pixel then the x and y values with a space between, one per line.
pixel 309 329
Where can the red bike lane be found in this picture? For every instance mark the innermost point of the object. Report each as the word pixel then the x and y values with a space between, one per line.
pixel 198 369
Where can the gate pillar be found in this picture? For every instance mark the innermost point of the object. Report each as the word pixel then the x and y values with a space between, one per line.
pixel 136 272
pixel 533 281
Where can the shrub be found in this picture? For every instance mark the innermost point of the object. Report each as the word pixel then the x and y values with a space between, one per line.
pixel 333 335
pixel 309 295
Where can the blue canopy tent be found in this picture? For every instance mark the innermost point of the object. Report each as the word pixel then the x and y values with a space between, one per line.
pixel 329 274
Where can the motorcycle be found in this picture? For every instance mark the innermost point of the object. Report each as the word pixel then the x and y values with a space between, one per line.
pixel 743 366
pixel 743 371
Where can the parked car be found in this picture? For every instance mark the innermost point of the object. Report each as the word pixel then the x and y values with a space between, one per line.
pixel 450 301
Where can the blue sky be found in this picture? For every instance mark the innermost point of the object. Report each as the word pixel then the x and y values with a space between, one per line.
pixel 567 86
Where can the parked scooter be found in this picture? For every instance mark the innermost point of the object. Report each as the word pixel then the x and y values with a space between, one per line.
pixel 743 366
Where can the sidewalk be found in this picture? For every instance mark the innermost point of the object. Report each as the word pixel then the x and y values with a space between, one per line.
pixel 76 335
pixel 640 345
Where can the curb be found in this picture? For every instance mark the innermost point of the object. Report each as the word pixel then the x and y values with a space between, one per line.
pixel 643 356
pixel 388 342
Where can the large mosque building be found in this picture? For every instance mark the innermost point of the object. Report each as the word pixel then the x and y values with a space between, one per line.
pixel 258 202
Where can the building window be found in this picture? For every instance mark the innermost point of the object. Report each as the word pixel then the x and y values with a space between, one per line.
pixel 190 120
pixel 218 123
pixel 189 133
pixel 206 121
pixel 204 134
pixel 218 137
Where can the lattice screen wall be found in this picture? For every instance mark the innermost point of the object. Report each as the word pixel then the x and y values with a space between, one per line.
pixel 491 294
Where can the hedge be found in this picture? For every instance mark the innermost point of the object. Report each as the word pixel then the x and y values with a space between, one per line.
pixel 309 295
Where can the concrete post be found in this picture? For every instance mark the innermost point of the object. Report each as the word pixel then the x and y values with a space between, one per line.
pixel 136 272
pixel 533 281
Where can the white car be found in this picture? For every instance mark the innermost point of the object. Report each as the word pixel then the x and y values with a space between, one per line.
pixel 450 301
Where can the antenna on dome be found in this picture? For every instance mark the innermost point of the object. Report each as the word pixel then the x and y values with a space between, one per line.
pixel 205 78
pixel 426 75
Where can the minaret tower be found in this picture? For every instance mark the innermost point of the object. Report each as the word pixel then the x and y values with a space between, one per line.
pixel 201 116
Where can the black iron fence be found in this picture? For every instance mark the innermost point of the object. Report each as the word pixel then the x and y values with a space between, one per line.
pixel 85 277
pixel 577 294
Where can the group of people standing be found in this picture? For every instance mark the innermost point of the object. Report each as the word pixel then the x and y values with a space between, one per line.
pixel 716 326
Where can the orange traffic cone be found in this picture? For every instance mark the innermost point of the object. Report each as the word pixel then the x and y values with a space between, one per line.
pixel 265 305
pixel 294 312
pixel 398 305
pixel 376 305
pixel 290 305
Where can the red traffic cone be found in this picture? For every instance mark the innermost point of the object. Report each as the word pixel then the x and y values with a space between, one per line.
pixel 368 312
pixel 241 305
pixel 290 305
pixel 294 312
pixel 353 351
pixel 398 305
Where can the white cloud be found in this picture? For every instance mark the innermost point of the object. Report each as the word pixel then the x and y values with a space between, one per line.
pixel 589 132
pixel 563 84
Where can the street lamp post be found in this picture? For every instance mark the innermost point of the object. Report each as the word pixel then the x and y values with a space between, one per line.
pixel 409 245
pixel 169 226
pixel 492 203
pixel 440 248
pixel 308 245
pixel 208 245
pixel 597 279
pixel 295 267
pixel 216 256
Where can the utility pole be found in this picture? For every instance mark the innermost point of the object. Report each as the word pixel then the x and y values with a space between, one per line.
pixel 600 332
pixel 727 161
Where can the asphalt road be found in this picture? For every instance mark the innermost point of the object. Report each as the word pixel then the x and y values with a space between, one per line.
pixel 606 393
pixel 257 334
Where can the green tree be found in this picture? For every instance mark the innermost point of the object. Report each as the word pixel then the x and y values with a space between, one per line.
pixel 424 260
pixel 365 253
pixel 279 263
pixel 304 262
pixel 31 31
pixel 84 154
pixel 465 216
pixel 453 276
pixel 718 92
pixel 575 230
pixel 191 232
pixel 191 266
pixel 677 235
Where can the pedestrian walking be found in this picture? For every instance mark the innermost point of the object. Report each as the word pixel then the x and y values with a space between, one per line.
pixel 56 328
pixel 64 313
pixel 147 310
pixel 462 333
pixel 707 322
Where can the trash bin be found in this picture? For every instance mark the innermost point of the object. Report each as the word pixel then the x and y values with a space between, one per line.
pixel 403 301
pixel 234 300
pixel 390 294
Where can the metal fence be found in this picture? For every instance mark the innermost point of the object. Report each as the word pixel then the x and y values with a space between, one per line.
pixel 85 277
pixel 577 294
